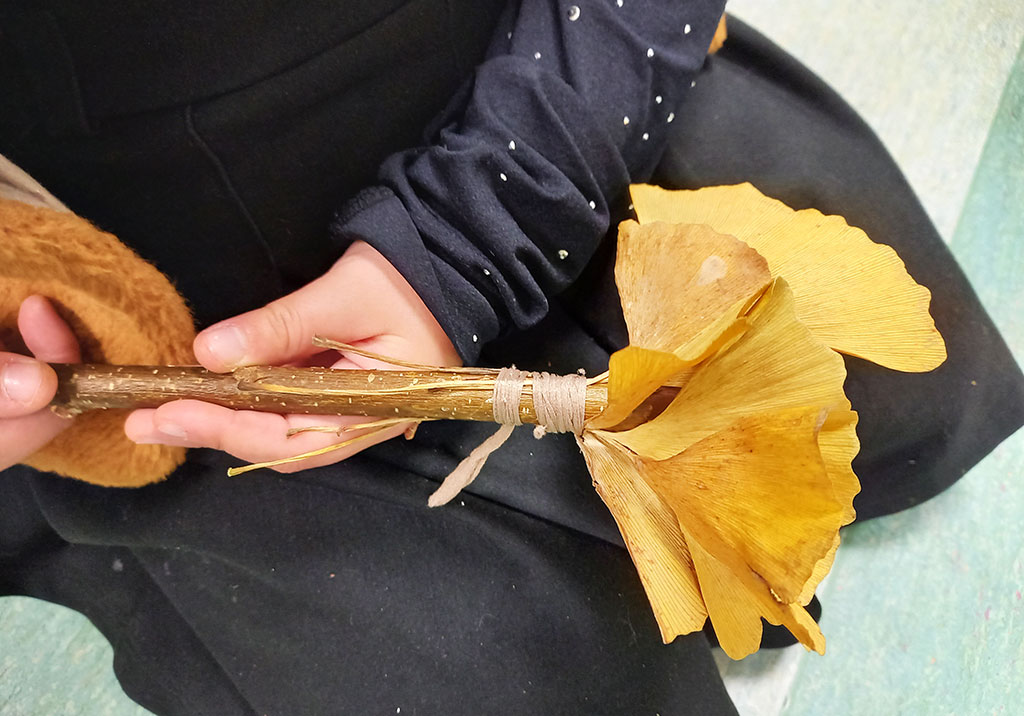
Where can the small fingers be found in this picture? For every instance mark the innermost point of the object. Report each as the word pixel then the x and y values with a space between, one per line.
pixel 45 333
pixel 26 386
pixel 282 331
pixel 20 437
pixel 333 305
pixel 248 435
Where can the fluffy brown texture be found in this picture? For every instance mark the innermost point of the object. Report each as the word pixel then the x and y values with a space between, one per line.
pixel 123 311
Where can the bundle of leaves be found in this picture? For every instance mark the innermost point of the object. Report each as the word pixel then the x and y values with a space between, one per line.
pixel 730 498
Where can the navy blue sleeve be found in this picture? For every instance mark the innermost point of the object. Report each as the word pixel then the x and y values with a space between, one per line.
pixel 508 201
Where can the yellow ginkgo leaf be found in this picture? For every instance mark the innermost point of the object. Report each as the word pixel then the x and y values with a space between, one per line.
pixel 683 287
pixel 838 442
pixel 839 445
pixel 737 598
pixel 633 374
pixel 777 364
pixel 735 614
pixel 821 569
pixel 853 293
pixel 761 489
pixel 651 533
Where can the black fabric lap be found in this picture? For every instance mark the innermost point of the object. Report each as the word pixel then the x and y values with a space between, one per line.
pixel 338 591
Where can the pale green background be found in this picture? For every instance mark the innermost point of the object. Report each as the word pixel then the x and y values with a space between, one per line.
pixel 923 610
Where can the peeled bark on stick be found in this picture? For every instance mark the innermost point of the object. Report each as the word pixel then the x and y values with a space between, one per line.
pixel 438 394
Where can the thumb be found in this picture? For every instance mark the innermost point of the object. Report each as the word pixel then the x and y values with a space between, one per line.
pixel 26 385
pixel 282 331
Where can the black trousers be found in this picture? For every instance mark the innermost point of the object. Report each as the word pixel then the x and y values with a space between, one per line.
pixel 337 591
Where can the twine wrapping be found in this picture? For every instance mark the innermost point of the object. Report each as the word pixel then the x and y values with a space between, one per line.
pixel 559 401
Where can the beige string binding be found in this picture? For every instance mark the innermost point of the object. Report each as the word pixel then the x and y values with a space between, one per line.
pixel 559 401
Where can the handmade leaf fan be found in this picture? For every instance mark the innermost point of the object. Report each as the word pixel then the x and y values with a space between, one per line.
pixel 720 438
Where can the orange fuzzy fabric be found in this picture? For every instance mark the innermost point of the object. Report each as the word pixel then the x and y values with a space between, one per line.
pixel 721 33
pixel 123 310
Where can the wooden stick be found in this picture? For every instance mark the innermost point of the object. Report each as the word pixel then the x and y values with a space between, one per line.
pixel 438 394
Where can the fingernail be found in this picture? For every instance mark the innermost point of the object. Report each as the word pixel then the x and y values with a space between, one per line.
pixel 173 431
pixel 165 432
pixel 21 380
pixel 227 344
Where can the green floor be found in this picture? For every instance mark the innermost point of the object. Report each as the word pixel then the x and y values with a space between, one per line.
pixel 55 663
pixel 924 609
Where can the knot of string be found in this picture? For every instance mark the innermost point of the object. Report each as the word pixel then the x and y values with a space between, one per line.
pixel 508 391
pixel 558 400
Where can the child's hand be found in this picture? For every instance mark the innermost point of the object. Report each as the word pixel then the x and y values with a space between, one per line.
pixel 27 385
pixel 361 300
